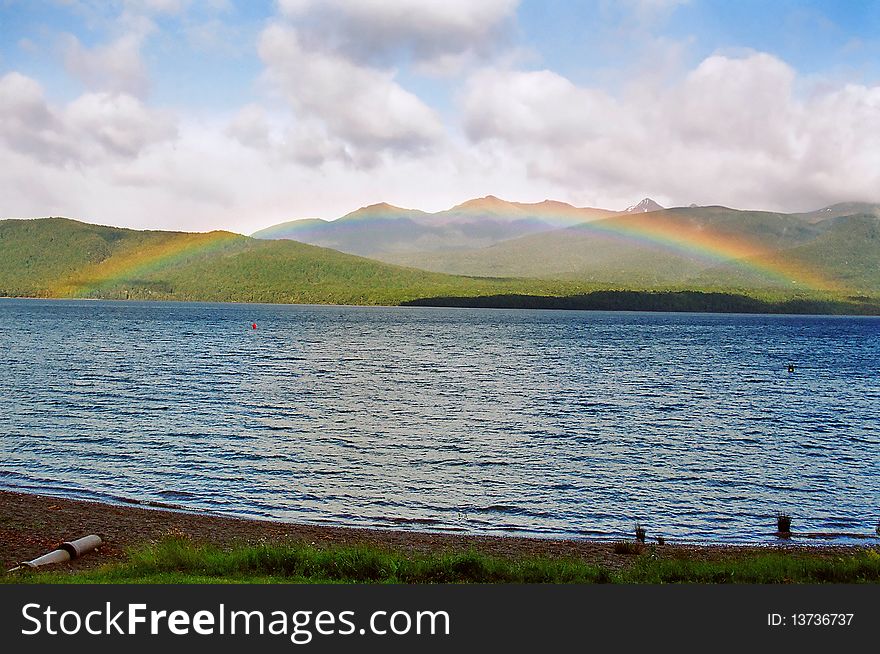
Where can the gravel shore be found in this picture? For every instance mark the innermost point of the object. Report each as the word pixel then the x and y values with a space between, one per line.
pixel 31 525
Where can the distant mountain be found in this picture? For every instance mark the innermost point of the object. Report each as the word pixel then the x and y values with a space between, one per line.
pixel 846 251
pixel 57 257
pixel 643 246
pixel 688 247
pixel 385 230
pixel 376 228
pixel 549 212
pixel 644 206
pixel 613 263
pixel 842 209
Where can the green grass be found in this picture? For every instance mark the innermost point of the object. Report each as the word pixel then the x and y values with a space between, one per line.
pixel 183 562
pixel 179 561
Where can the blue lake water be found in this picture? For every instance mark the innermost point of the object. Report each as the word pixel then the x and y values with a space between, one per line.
pixel 571 424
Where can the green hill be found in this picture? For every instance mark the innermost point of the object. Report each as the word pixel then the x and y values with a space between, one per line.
pixel 645 250
pixel 699 248
pixel 841 209
pixel 57 257
pixel 827 252
pixel 60 258
pixel 846 252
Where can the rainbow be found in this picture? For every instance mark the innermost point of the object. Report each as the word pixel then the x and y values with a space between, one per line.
pixel 139 259
pixel 669 232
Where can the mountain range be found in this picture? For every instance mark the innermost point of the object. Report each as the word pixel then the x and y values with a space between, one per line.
pixel 382 229
pixel 552 255
pixel 833 249
pixel 58 257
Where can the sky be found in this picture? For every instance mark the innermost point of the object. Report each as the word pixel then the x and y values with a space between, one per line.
pixel 217 114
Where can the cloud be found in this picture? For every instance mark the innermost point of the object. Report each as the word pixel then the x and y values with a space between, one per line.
pixel 156 6
pixel 337 65
pixel 649 6
pixel 340 122
pixel 250 127
pixel 361 107
pixel 93 8
pixel 95 127
pixel 532 108
pixel 28 125
pixel 733 130
pixel 439 36
pixel 207 178
pixel 744 103
pixel 218 36
pixel 115 66
pixel 174 7
pixel 117 124
pixel 307 143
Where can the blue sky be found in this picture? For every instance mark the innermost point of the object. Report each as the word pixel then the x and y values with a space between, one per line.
pixel 578 38
pixel 196 114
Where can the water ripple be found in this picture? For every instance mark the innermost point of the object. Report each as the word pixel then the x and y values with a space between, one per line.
pixel 574 424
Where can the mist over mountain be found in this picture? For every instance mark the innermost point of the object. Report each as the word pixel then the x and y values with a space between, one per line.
pixel 685 259
pixel 694 247
pixel 642 246
pixel 539 248
pixel 62 258
pixel 841 209
pixel 383 229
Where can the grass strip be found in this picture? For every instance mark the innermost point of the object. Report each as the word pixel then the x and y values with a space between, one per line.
pixel 179 561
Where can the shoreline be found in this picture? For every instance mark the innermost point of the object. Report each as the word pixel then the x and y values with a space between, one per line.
pixel 31 525
pixel 612 301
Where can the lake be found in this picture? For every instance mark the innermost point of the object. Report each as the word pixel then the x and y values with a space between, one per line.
pixel 542 423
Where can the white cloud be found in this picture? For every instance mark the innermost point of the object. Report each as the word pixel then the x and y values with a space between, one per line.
pixel 28 125
pixel 207 179
pixel 346 132
pixel 93 8
pixel 117 124
pixel 732 131
pixel 93 128
pixel 115 66
pixel 537 108
pixel 308 143
pixel 156 6
pixel 218 36
pixel 842 157
pixel 749 98
pixel 441 36
pixel 362 107
pixel 250 127
pixel 340 126
pixel 335 63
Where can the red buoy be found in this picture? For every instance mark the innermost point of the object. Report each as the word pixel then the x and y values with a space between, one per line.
pixel 254 326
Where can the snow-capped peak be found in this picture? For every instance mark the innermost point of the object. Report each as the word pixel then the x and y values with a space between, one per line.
pixel 644 206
